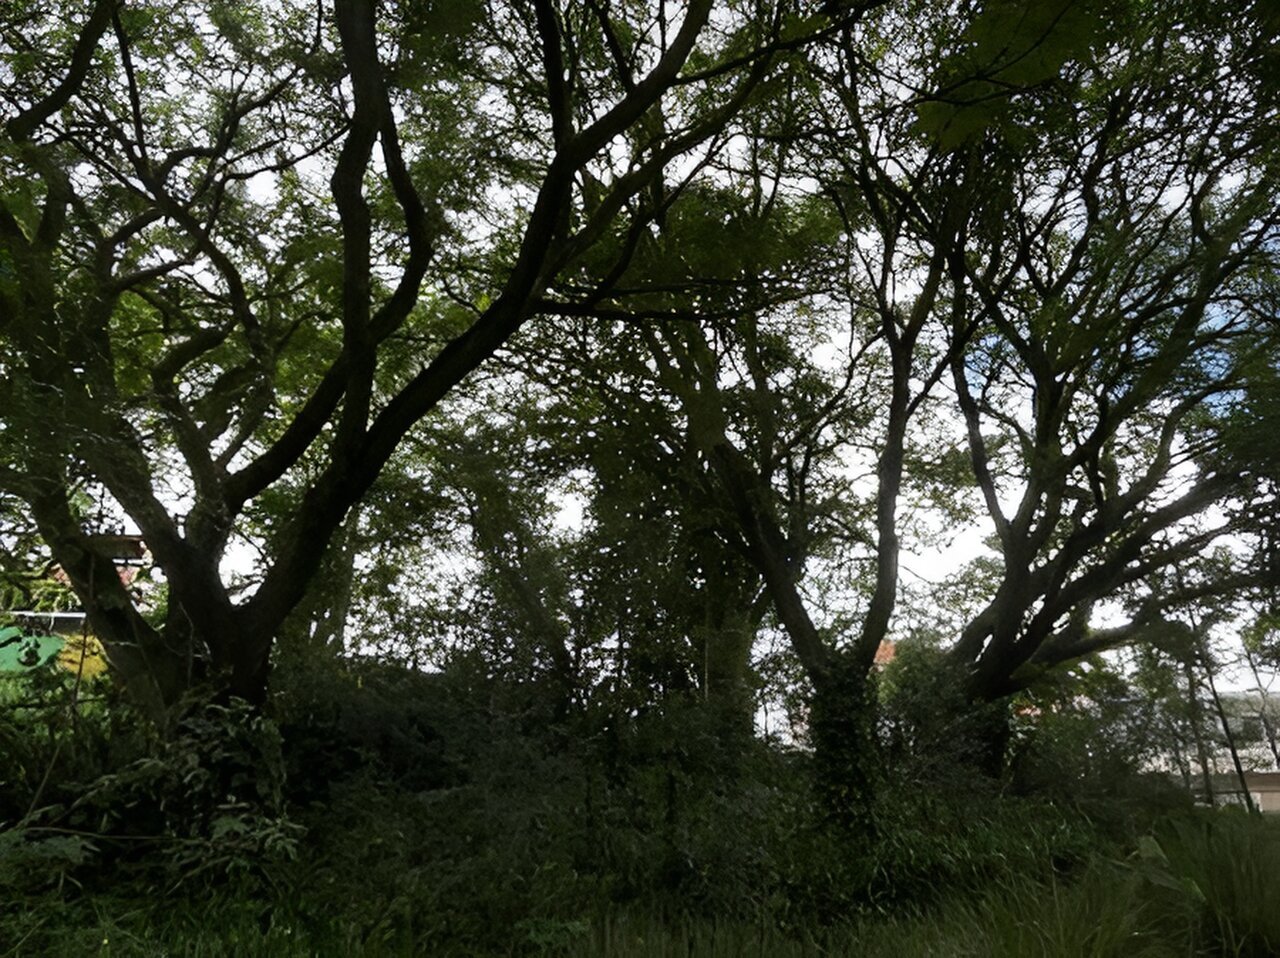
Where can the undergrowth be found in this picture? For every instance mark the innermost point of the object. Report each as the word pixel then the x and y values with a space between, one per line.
pixel 385 813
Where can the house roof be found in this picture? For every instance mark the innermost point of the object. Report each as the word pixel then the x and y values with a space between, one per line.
pixel 127 574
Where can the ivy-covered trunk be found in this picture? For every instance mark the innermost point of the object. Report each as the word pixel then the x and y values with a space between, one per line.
pixel 846 752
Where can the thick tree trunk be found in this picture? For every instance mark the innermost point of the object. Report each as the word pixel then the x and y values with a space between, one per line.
pixel 155 669
pixel 726 654
pixel 250 670
pixel 845 748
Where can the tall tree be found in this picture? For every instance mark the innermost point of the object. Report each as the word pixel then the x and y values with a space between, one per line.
pixel 242 245
pixel 1109 356
pixel 1051 273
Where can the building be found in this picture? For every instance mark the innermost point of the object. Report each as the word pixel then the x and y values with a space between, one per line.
pixel 35 638
pixel 1264 789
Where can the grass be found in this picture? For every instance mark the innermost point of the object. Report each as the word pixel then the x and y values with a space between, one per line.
pixel 1107 913
pixel 1099 916
pixel 1226 865
pixel 1198 885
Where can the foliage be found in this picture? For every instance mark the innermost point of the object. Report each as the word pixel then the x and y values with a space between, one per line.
pixel 99 796
pixel 1109 910
pixel 274 309
pixel 1222 864
pixel 516 398
pixel 432 813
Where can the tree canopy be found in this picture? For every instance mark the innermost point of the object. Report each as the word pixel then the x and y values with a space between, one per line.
pixel 773 296
pixel 802 475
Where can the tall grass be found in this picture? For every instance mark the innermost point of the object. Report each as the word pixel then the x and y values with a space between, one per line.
pixel 1106 913
pixel 1103 915
pixel 1226 865
pixel 1202 885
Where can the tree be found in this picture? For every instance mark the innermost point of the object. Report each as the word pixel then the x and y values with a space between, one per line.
pixel 245 246
pixel 1051 276
pixel 1109 357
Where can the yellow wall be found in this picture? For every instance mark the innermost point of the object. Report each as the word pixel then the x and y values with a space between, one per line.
pixel 83 654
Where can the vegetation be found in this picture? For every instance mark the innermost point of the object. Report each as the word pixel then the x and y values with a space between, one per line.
pixel 550 424
pixel 396 813
pixel 417 823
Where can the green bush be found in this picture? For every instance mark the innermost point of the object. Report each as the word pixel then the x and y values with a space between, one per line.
pixel 205 803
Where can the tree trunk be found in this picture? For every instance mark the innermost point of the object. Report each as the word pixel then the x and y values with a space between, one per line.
pixel 1226 731
pixel 1197 730
pixel 845 748
pixel 1264 710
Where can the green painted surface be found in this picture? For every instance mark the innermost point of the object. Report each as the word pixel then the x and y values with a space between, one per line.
pixel 23 653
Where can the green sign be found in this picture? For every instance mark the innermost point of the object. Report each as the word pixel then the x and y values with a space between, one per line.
pixel 24 653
